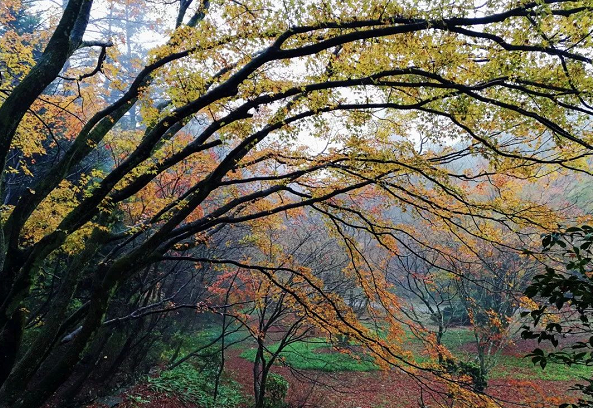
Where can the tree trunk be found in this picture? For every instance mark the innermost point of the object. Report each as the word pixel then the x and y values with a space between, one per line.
pixel 10 340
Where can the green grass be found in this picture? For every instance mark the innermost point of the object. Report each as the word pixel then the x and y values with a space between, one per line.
pixel 508 366
pixel 305 355
pixel 523 368
pixel 203 337
pixel 516 367
pixel 454 339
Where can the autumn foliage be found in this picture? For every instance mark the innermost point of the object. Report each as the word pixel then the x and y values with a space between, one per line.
pixel 158 159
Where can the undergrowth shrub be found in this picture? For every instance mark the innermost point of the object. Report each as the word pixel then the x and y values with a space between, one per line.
pixel 472 370
pixel 191 385
pixel 276 390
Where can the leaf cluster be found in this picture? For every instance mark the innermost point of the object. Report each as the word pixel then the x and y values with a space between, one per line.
pixel 566 295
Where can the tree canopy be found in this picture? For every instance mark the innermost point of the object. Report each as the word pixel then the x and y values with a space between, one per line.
pixel 360 115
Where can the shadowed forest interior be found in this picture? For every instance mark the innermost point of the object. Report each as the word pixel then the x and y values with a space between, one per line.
pixel 296 203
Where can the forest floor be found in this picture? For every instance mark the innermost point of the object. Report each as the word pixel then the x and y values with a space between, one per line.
pixel 379 389
pixel 322 377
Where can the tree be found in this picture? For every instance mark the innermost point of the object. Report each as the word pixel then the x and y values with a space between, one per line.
pixel 564 304
pixel 490 292
pixel 272 313
pixel 430 301
pixel 381 84
pixel 477 285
